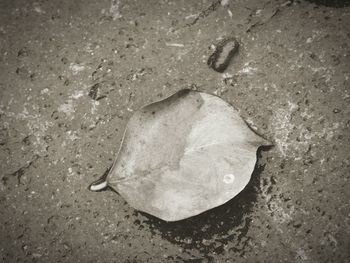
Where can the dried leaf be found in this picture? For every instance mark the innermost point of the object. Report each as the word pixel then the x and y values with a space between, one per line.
pixel 184 155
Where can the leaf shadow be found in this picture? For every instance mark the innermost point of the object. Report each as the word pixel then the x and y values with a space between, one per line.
pixel 213 229
pixel 331 3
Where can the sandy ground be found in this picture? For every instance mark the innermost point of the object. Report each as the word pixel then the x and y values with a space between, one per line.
pixel 290 82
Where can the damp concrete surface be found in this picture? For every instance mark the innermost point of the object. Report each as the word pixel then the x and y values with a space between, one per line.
pixel 73 72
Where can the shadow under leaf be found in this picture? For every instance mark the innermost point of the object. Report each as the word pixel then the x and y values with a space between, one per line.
pixel 213 229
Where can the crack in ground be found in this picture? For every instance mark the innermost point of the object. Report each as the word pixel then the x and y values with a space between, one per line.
pixel 20 172
pixel 206 12
pixel 264 21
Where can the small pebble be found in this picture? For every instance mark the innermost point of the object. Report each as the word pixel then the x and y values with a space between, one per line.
pixel 224 51
pixel 95 92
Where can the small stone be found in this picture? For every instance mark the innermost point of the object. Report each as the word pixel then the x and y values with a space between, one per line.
pixel 23 52
pixel 33 76
pixel 308 161
pixel 336 110
pixel 48 138
pixel 188 240
pixel 96 92
pixel 297 224
pixel 36 255
pixel 22 71
pixel 64 60
pixel 66 246
pixel 224 51
pixel 27 140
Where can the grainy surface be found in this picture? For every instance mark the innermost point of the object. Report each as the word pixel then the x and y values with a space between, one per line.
pixel 59 130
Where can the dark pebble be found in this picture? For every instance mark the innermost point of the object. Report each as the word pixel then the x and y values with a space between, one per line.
pixel 22 52
pixel 223 54
pixel 297 224
pixel 95 92
pixel 64 60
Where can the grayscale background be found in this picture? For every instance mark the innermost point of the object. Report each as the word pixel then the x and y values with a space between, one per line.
pixel 290 82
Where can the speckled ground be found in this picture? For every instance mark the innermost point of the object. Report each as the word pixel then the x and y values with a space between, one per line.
pixel 72 73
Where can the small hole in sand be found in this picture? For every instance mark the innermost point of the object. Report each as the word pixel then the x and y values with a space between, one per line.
pixel 229 178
